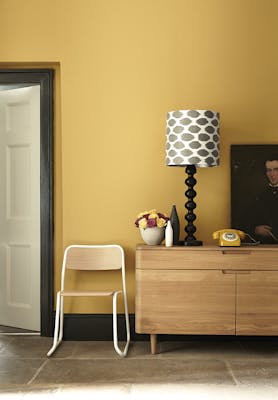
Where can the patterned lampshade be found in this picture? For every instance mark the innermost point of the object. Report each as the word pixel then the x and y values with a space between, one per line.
pixel 192 138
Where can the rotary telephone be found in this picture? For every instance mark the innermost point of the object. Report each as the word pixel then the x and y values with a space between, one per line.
pixel 229 237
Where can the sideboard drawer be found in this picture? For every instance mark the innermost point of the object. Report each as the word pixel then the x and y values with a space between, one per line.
pixel 217 258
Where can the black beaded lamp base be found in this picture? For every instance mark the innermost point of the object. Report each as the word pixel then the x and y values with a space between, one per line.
pixel 190 205
pixel 193 243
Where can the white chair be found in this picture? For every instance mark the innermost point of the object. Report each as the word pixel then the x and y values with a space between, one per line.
pixel 93 258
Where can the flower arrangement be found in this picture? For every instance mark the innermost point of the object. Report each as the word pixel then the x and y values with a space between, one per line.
pixel 151 219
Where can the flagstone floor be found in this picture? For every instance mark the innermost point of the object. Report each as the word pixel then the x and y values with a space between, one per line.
pixel 197 367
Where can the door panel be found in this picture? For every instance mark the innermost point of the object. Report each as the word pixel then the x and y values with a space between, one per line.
pixel 20 207
pixel 185 302
pixel 257 303
pixel 18 181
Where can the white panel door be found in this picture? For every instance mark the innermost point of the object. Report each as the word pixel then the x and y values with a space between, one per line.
pixel 20 208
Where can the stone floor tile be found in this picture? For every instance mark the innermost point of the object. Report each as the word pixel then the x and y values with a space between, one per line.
pixel 105 349
pixel 33 347
pixel 18 371
pixel 133 371
pixel 208 350
pixel 4 340
pixel 95 350
pixel 141 350
pixel 66 349
pixel 255 372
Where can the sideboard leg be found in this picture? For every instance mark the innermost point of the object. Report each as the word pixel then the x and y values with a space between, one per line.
pixel 153 343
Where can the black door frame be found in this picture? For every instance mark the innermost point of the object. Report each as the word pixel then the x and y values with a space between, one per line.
pixel 43 77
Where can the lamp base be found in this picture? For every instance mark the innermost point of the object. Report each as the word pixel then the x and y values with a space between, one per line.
pixel 190 239
pixel 192 243
pixel 189 243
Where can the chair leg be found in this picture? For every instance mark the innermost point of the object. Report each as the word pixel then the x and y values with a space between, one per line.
pixel 115 327
pixel 61 333
pixel 127 320
pixel 56 341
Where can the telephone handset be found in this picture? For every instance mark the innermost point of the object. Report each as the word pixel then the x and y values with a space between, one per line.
pixel 228 237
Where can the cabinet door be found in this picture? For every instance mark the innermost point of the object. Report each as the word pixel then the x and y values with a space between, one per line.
pixel 257 303
pixel 185 302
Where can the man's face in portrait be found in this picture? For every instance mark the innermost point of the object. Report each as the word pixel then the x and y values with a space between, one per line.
pixel 271 169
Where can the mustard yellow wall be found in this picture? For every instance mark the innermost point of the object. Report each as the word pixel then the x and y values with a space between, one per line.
pixel 122 65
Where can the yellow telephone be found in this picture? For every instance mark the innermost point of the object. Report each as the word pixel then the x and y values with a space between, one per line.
pixel 228 237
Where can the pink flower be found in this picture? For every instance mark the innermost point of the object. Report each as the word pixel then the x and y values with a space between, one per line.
pixel 151 222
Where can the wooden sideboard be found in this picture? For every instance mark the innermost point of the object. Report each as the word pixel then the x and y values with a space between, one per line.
pixel 206 290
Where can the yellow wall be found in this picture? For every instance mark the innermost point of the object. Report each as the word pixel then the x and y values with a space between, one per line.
pixel 123 65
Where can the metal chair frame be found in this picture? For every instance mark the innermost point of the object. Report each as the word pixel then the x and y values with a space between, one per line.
pixel 59 317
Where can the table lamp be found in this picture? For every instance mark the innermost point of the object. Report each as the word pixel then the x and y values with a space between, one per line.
pixel 192 140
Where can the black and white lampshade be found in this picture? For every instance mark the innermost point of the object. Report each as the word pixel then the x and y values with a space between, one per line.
pixel 192 138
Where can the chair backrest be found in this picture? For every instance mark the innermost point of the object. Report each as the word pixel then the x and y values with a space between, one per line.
pixel 94 257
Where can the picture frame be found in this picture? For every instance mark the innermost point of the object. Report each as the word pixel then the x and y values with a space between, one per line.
pixel 249 180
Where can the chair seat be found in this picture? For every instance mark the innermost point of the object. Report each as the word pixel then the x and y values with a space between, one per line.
pixel 79 293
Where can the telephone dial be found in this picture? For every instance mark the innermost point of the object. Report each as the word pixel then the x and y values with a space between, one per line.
pixel 229 237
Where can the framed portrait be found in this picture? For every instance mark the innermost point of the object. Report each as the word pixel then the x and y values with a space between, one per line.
pixel 254 191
